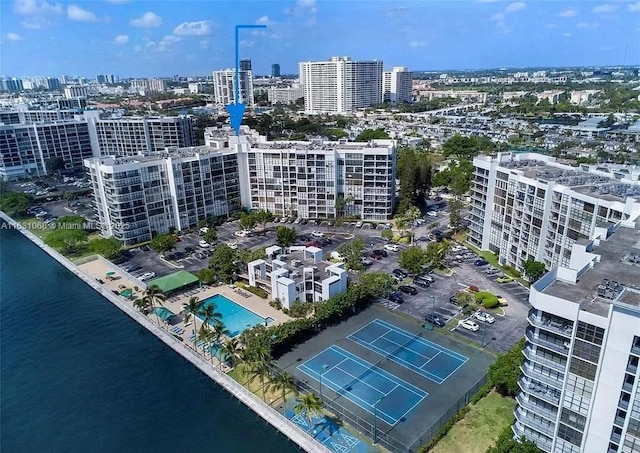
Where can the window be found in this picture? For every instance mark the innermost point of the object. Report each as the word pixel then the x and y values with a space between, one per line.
pixel 590 333
pixel 569 434
pixel 587 351
pixel 582 368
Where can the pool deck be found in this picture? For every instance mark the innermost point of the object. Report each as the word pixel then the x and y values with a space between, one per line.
pixel 98 268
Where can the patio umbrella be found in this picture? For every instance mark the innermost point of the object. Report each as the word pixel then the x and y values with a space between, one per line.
pixel 111 273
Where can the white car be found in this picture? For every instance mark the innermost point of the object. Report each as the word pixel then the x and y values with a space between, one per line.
pixel 297 221
pixel 232 245
pixel 484 317
pixel 317 234
pixel 432 214
pixel 204 230
pixel 203 244
pixel 391 247
pixel 469 325
pixel 147 276
pixel 241 234
pixel 358 224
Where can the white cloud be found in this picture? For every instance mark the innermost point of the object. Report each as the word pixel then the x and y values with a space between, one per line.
pixel 264 20
pixel 137 48
pixel 569 12
pixel 76 13
pixel 147 20
pixel 497 17
pixel 552 25
pixel 567 35
pixel 588 25
pixel 634 7
pixel 517 6
pixel 164 44
pixel 36 7
pixel 501 25
pixel 13 36
pixel 418 43
pixel 200 28
pixel 604 9
pixel 245 43
pixel 121 39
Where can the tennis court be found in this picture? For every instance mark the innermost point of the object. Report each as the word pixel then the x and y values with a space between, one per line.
pixel 373 389
pixel 408 350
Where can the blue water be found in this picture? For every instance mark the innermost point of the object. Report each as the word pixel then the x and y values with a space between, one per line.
pixel 235 317
pixel 77 375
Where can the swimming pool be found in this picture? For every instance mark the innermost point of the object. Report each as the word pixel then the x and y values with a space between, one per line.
pixel 235 317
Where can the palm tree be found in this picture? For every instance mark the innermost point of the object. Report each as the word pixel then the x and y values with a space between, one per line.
pixel 155 297
pixel 230 349
pixel 284 381
pixel 217 332
pixel 210 316
pixel 309 405
pixel 141 303
pixel 260 365
pixel 193 307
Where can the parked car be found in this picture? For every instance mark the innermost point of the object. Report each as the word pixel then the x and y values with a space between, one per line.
pixel 189 249
pixel 317 234
pixel 396 297
pixel 366 261
pixel 432 214
pixel 147 276
pixel 469 325
pixel 399 272
pixel 232 245
pixel 491 270
pixel 480 262
pixel 242 233
pixel 484 317
pixel 504 279
pixel 358 224
pixel 313 244
pixel 373 256
pixel 408 289
pixel 380 253
pixel 434 319
pixel 453 299
pixel 204 244
pixel 469 255
pixel 426 278
pixel 397 278
pixel 391 247
pixel 421 283
pixel 132 267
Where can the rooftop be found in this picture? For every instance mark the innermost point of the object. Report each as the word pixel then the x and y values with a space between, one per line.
pixel 615 279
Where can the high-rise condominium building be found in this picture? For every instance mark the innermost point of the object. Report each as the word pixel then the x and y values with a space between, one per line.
pixel 26 148
pixel 12 85
pixel 244 64
pixel 131 136
pixel 340 85
pixel 137 197
pixel 285 95
pixel 580 386
pixel 75 91
pixel 275 70
pixel 22 114
pixel 150 85
pixel 224 87
pixel 529 206
pixel 397 85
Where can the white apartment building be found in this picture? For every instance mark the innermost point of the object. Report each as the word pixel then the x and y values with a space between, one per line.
pixel 300 274
pixel 580 387
pixel 397 85
pixel 285 95
pixel 150 85
pixel 22 114
pixel 464 95
pixel 76 91
pixel 340 85
pixel 137 197
pixel 26 148
pixel 526 205
pixel 304 179
pixel 224 87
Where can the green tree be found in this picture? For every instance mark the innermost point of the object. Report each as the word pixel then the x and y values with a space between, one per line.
pixel 142 303
pixel 66 240
pixel 260 366
pixel 413 259
pixel 387 234
pixel 308 405
pixel 375 283
pixel 211 235
pixel 192 309
pixel 247 220
pixel 15 204
pixel 107 247
pixel 609 122
pixel 371 134
pixel 352 253
pixel 533 270
pixel 231 349
pixel 437 253
pixel 285 236
pixel 455 207
pixel 222 262
pixel 164 242
pixel 155 299
pixel 206 276
pixel 262 217
pixel 68 196
pixel 55 164
pixel 284 382
pixel 460 147
pixel 507 444
pixel 505 371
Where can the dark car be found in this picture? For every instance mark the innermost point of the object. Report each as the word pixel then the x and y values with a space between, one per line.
pixel 396 297
pixel 434 319
pixel 420 282
pixel 133 267
pixel 408 290
pixel 189 249
pixel 453 299
pixel 381 253
pixel 480 262
pixel 373 256
pixel 399 273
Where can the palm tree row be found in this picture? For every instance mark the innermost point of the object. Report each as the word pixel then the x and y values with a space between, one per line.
pixel 152 298
pixel 212 329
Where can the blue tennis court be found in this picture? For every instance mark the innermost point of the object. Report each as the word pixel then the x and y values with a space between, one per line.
pixel 411 351
pixel 363 384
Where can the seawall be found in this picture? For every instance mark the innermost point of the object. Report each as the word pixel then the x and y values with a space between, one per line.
pixel 274 418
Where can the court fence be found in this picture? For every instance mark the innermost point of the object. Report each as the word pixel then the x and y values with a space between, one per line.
pixel 386 438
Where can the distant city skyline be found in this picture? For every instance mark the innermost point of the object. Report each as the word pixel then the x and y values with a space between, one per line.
pixel 159 39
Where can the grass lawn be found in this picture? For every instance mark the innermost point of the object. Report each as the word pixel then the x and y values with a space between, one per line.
pixel 273 397
pixel 493 260
pixel 480 427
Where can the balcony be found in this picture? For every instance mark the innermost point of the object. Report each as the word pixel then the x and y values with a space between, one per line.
pixel 531 355
pixel 562 328
pixel 562 348
pixel 543 442
pixel 548 413
pixel 542 392
pixel 532 373
pixel 523 417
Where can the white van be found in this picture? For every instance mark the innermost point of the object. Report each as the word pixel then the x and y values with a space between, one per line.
pixel 336 256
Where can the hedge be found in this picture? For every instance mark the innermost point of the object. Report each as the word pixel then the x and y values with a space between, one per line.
pixel 487 299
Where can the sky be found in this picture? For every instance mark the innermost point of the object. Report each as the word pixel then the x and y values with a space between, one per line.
pixel 140 38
